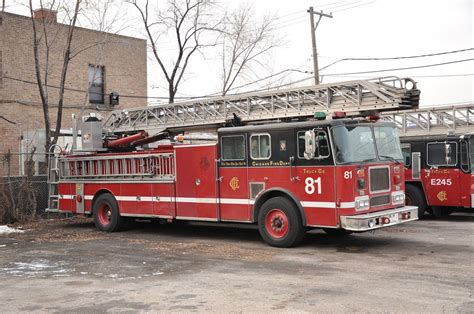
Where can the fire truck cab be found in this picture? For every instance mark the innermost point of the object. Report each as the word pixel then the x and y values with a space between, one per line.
pixel 439 172
pixel 341 175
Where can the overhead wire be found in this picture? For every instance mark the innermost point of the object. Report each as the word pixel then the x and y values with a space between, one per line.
pixel 405 68
pixel 356 6
pixel 262 79
pixel 398 58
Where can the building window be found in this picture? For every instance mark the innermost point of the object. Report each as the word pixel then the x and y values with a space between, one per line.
pixel 260 146
pixel 96 84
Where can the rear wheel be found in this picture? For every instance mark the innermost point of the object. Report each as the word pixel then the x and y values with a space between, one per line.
pixel 106 214
pixel 415 197
pixel 279 223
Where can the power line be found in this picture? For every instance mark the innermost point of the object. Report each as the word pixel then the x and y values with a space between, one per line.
pixel 85 91
pixel 355 6
pixel 399 58
pixel 362 72
pixel 310 72
pixel 413 76
pixel 270 76
pixel 405 68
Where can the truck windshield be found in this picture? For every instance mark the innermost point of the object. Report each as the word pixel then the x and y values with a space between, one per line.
pixel 353 144
pixel 388 143
pixel 361 144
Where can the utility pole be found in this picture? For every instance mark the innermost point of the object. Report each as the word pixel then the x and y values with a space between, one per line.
pixel 313 39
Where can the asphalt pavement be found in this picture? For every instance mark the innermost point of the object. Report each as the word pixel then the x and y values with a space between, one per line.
pixel 66 265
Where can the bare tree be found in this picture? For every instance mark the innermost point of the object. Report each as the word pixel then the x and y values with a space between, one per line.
pixel 187 20
pixel 43 42
pixel 3 11
pixel 245 44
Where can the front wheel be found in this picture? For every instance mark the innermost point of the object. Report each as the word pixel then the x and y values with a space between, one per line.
pixel 414 196
pixel 439 211
pixel 106 214
pixel 279 223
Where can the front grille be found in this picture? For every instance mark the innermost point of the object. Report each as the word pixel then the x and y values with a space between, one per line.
pixel 379 179
pixel 380 200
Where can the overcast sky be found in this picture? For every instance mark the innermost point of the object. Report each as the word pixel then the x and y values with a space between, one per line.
pixel 359 29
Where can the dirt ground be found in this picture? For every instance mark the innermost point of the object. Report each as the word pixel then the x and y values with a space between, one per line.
pixel 65 265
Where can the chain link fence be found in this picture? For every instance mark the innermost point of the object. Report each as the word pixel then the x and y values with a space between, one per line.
pixel 23 192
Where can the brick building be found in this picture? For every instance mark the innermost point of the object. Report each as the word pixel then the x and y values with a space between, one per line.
pixel 103 63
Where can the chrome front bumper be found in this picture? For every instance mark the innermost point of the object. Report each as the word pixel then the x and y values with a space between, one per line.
pixel 381 219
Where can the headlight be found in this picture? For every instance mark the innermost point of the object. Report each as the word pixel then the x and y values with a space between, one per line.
pixel 362 202
pixel 398 198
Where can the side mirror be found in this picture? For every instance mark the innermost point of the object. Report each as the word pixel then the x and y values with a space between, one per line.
pixel 309 144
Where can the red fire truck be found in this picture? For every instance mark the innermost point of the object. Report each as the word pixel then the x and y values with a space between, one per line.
pixel 438 149
pixel 438 173
pixel 341 175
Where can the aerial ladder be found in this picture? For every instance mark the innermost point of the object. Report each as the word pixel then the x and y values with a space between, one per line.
pixel 442 120
pixel 355 98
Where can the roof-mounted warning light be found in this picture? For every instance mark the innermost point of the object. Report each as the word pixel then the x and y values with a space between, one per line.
pixel 372 118
pixel 319 115
pixel 338 115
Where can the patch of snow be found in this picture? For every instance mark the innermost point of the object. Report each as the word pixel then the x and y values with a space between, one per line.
pixel 157 273
pixel 5 229
pixel 3 245
pixel 36 268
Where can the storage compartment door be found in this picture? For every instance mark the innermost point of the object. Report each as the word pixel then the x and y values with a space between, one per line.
pixel 196 184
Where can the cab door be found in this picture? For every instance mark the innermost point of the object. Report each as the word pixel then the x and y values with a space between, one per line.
pixel 443 175
pixel 466 179
pixel 235 204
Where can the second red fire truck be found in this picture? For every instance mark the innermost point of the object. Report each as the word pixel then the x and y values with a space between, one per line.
pixel 439 172
pixel 341 175
pixel 438 149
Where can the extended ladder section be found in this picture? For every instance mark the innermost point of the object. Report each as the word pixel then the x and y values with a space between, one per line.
pixel 352 97
pixel 160 167
pixel 433 121
pixel 53 178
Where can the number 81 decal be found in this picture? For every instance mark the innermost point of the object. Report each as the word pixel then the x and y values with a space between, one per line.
pixel 309 185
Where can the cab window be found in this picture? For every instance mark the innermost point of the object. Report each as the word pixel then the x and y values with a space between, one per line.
pixel 442 154
pixel 406 152
pixel 322 144
pixel 233 147
pixel 260 146
pixel 464 157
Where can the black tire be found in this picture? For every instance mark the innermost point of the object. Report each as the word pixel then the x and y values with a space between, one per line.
pixel 337 232
pixel 415 197
pixel 439 211
pixel 106 214
pixel 280 223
